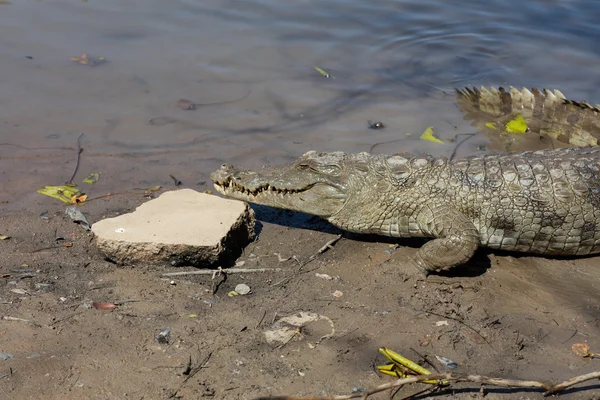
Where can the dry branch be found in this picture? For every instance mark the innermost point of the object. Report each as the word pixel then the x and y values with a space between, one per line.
pixel 225 271
pixel 510 383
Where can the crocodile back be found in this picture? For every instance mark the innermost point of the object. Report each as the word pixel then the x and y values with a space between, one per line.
pixel 545 202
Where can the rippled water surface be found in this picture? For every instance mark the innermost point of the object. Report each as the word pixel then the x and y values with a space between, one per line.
pixel 390 61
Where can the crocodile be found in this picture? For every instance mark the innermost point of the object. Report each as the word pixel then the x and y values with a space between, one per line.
pixel 546 112
pixel 544 202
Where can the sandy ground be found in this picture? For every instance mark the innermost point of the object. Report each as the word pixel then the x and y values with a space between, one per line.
pixel 501 315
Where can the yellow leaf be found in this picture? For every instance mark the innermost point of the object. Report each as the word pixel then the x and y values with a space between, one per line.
pixel 429 135
pixel 517 125
pixel 92 178
pixel 63 193
pixel 208 191
pixel 233 293
pixel 4 237
pixel 491 125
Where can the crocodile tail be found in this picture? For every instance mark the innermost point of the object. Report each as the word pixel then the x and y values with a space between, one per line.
pixel 546 112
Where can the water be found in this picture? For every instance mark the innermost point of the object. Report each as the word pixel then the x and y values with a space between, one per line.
pixel 389 61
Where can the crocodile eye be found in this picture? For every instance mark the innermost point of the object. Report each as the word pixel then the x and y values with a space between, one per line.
pixel 330 170
pixel 303 166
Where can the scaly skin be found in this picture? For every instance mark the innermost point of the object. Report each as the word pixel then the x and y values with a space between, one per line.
pixel 546 112
pixel 544 202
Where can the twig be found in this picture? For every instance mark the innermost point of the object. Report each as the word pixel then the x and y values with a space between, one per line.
pixel 225 271
pixel 79 151
pixel 68 244
pixel 460 322
pixel 511 383
pixel 66 317
pixel 261 319
pixel 469 136
pixel 8 318
pixel 329 245
pixel 310 259
pixel 196 369
pixel 120 303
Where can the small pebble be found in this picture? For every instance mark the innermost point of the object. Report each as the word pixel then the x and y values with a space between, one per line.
pixel 163 336
pixel 243 289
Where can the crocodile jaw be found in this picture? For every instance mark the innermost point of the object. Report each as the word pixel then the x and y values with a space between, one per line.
pixel 302 192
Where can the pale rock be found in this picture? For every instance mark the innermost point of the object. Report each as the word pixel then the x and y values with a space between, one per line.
pixel 181 227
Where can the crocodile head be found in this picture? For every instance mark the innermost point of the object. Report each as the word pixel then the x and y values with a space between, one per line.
pixel 316 183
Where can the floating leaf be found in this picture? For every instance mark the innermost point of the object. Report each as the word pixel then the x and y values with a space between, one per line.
pixel 517 125
pixel 86 59
pixel 4 237
pixel 92 178
pixel 63 193
pixel 322 72
pixel 154 189
pixel 185 104
pixel 491 125
pixel 429 135
pixel 233 293
pixel 8 3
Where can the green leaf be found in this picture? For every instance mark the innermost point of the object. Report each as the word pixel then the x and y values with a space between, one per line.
pixel 517 125
pixel 430 136
pixel 491 125
pixel 92 178
pixel 62 193
pixel 322 72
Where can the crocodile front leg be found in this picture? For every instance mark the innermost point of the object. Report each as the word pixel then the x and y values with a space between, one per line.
pixel 455 238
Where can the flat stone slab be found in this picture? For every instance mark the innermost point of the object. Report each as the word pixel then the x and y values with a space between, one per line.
pixel 180 227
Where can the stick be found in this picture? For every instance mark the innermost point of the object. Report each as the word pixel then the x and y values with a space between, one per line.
pixel 460 322
pixel 8 318
pixel 469 136
pixel 329 245
pixel 511 383
pixel 226 271
pixel 79 151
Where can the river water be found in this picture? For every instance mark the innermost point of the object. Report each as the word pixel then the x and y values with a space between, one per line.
pixel 391 61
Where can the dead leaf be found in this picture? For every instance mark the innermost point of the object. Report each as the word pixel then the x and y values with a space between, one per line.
pixel 4 237
pixel 80 198
pixel 103 306
pixel 582 350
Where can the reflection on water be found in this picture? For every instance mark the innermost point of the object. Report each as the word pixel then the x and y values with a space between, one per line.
pixel 390 61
